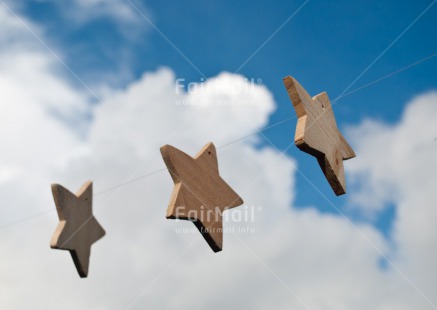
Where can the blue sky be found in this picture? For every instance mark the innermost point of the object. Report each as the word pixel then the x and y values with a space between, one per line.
pixel 114 49
pixel 326 46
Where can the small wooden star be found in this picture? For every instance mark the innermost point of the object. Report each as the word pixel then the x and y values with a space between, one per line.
pixel 200 194
pixel 317 133
pixel 77 229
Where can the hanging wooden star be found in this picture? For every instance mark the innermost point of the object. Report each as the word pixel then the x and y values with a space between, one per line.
pixel 77 229
pixel 317 133
pixel 200 194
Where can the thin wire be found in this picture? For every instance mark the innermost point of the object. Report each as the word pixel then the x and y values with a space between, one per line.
pixel 26 218
pixel 141 177
pixel 271 36
pixel 256 132
pixel 165 169
pixel 130 182
pixel 387 76
pixel 232 142
pixel 338 98
pixel 387 48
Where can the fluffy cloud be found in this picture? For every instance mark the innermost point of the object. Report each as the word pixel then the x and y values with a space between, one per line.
pixel 37 110
pixel 120 10
pixel 84 11
pixel 298 259
pixel 397 165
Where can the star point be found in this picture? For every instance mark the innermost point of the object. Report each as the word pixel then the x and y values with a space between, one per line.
pixel 317 133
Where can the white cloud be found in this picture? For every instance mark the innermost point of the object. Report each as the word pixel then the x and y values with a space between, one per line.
pixel 321 259
pixel 14 35
pixel 397 164
pixel 124 15
pixel 32 139
pixel 396 158
pixel 114 8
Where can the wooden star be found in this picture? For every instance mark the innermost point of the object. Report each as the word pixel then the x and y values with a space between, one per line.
pixel 200 194
pixel 77 229
pixel 317 133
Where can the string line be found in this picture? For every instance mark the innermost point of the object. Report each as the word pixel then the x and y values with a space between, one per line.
pixel 386 76
pixel 231 142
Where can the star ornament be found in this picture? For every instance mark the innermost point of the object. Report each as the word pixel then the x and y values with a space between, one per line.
pixel 317 133
pixel 77 229
pixel 200 195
